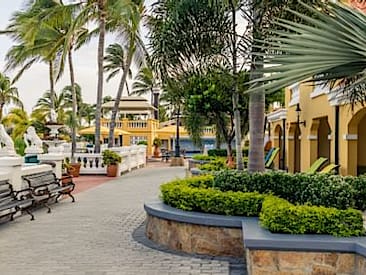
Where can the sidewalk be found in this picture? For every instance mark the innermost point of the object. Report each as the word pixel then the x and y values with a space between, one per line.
pixel 100 234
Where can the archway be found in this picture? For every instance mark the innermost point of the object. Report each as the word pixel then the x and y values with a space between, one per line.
pixel 278 143
pixel 323 140
pixel 356 144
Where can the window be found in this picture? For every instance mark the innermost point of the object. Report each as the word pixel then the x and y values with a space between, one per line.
pixel 295 94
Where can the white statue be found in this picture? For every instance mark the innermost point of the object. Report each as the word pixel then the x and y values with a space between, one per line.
pixel 7 144
pixel 32 140
pixel 53 115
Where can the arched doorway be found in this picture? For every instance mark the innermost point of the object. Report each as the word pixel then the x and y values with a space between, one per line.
pixel 356 144
pixel 278 143
pixel 323 140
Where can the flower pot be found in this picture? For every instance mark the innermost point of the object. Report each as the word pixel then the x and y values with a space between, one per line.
pixel 112 170
pixel 74 170
pixel 156 152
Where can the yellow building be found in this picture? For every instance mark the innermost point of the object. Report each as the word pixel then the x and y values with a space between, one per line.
pixel 316 123
pixel 137 117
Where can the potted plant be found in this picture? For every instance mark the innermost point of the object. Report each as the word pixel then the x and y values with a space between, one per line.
pixel 111 159
pixel 157 143
pixel 72 169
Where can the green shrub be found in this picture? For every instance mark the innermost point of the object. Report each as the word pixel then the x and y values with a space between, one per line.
pixel 359 186
pixel 223 152
pixel 316 189
pixel 280 216
pixel 194 194
pixel 217 164
pixel 203 157
pixel 217 152
pixel 142 142
pixel 111 157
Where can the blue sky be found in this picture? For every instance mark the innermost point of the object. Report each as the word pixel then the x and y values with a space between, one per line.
pixel 34 82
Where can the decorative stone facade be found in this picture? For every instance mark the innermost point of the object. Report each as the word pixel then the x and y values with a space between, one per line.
pixel 261 262
pixel 192 238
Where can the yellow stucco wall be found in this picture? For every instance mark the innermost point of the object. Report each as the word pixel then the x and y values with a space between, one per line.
pixel 318 113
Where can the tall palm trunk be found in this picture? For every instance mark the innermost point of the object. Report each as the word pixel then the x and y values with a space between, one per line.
pixel 52 83
pixel 98 111
pixel 256 122
pixel 235 95
pixel 74 107
pixel 118 98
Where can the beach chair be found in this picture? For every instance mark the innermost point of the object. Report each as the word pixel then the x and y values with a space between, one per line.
pixel 329 168
pixel 268 155
pixel 269 162
pixel 316 165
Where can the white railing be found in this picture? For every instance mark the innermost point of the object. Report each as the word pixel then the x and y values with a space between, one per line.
pixel 132 157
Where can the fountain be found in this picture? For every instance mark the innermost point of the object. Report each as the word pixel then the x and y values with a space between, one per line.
pixel 53 142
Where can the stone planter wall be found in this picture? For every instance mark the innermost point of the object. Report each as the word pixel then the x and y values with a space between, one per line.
pixel 265 252
pixel 193 238
pixel 261 262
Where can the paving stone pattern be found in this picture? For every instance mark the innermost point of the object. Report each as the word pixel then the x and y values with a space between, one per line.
pixel 100 234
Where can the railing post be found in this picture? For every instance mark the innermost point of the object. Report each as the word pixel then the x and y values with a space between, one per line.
pixel 13 166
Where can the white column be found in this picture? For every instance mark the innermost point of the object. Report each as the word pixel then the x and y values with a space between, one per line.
pixel 57 159
pixel 13 166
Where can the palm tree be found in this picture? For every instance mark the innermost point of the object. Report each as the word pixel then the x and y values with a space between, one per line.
pixel 19 121
pixel 325 48
pixel 130 30
pixel 116 62
pixel 33 44
pixel 87 113
pixel 144 83
pixel 8 94
pixel 43 107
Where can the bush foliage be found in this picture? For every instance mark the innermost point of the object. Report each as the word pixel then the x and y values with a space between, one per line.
pixel 315 189
pixel 280 216
pixel 194 194
pixel 324 199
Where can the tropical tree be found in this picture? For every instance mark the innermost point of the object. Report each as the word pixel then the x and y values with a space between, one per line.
pixel 19 121
pixel 43 107
pixel 8 94
pixel 208 101
pixel 144 83
pixel 130 30
pixel 115 60
pixel 323 48
pixel 86 112
pixel 32 45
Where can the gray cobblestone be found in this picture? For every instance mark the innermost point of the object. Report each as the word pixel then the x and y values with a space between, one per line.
pixel 100 234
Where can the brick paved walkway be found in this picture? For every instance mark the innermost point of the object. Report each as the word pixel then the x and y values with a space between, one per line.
pixel 100 234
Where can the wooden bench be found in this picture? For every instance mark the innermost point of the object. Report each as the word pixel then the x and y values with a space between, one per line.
pixel 46 186
pixel 12 201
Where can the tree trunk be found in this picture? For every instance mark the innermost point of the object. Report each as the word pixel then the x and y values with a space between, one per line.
pixel 98 111
pixel 74 107
pixel 118 98
pixel 235 95
pixel 52 84
pixel 256 122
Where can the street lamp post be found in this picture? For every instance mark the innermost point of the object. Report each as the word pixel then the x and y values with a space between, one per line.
pixel 177 146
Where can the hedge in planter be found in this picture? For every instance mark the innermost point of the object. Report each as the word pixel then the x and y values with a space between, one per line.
pixel 193 194
pixel 316 189
pixel 280 216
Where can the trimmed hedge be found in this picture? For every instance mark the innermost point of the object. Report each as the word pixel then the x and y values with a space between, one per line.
pixel 217 164
pixel 316 189
pixel 223 152
pixel 276 214
pixel 193 194
pixel 280 216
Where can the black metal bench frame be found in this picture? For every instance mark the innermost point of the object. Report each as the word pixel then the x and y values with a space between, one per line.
pixel 45 186
pixel 12 201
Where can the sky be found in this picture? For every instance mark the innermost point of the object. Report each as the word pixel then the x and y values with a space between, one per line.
pixel 34 82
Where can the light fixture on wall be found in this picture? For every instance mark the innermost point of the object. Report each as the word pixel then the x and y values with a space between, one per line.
pixel 298 111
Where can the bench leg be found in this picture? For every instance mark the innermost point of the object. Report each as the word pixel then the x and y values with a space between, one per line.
pixel 71 196
pixel 46 205
pixel 29 213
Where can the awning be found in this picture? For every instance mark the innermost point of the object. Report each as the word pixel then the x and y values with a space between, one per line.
pixel 104 131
